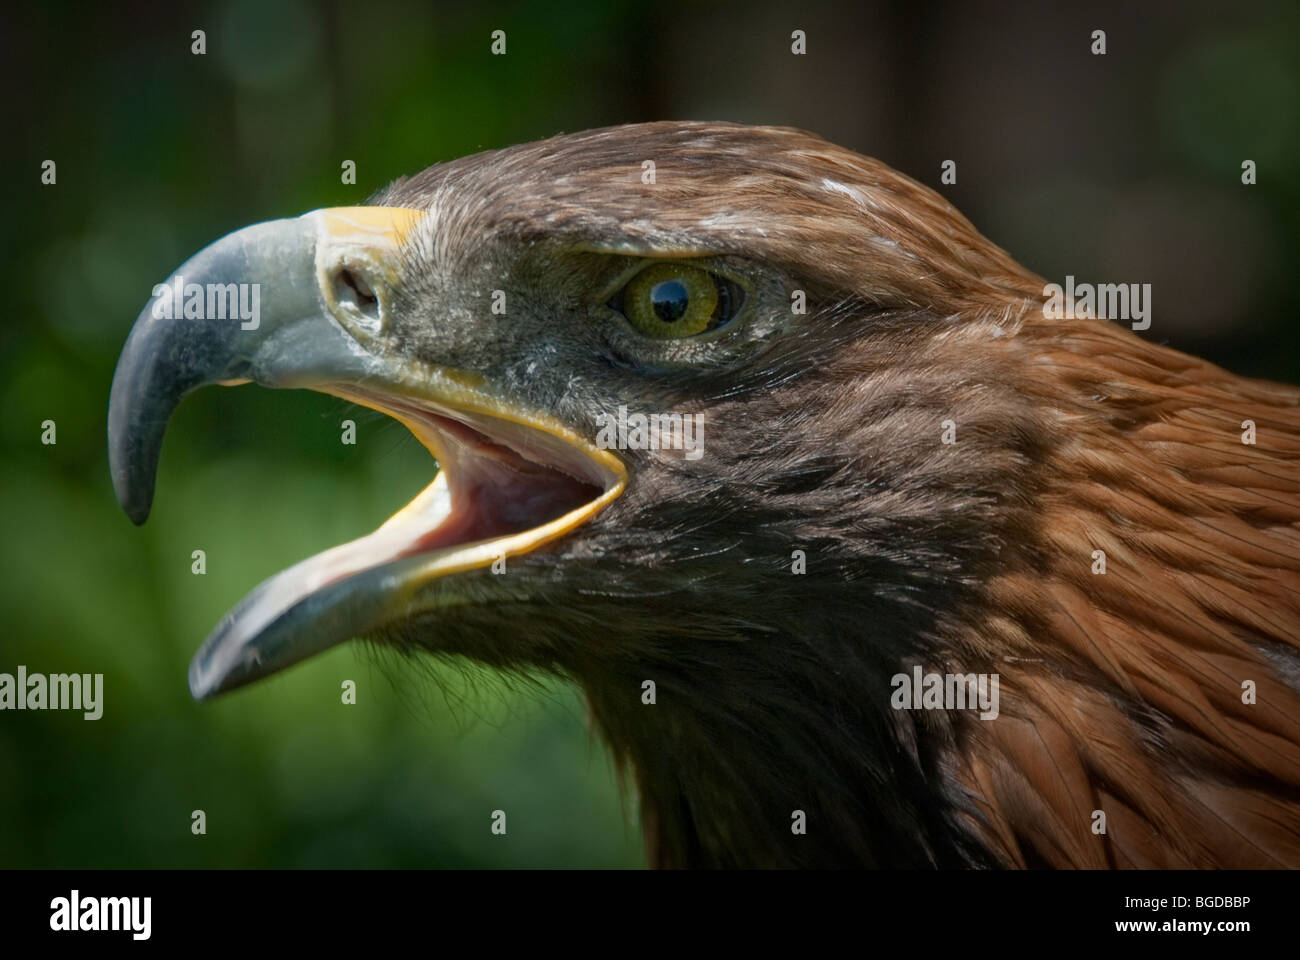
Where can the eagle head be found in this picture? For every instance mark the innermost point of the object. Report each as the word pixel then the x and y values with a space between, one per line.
pixel 734 427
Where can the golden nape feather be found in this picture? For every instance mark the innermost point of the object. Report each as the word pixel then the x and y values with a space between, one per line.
pixel 1154 641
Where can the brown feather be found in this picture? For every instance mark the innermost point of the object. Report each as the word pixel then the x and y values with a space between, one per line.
pixel 1121 692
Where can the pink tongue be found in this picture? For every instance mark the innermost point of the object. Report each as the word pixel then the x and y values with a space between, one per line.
pixel 502 494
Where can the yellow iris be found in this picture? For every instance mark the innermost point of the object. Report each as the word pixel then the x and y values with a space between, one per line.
pixel 671 300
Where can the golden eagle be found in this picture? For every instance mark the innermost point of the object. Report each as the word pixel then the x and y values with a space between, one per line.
pixel 902 465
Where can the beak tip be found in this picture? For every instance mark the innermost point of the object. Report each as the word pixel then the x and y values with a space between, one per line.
pixel 135 499
pixel 211 675
pixel 132 461
pixel 138 512
pixel 201 685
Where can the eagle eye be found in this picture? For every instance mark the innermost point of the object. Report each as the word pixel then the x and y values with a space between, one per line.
pixel 672 300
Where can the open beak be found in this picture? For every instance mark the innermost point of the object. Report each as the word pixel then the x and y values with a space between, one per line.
pixel 303 303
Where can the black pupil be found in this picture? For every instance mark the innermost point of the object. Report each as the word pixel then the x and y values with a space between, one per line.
pixel 669 300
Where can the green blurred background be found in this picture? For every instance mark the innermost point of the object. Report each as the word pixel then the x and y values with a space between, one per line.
pixel 1122 168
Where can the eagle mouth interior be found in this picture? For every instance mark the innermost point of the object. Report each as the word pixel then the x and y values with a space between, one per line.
pixel 494 490
pixel 502 488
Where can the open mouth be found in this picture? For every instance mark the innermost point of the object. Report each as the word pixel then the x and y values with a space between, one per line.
pixel 510 479
pixel 502 489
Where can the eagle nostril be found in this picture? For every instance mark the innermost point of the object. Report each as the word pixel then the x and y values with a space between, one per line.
pixel 352 290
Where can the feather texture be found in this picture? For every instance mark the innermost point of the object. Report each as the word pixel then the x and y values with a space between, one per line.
pixel 1163 693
